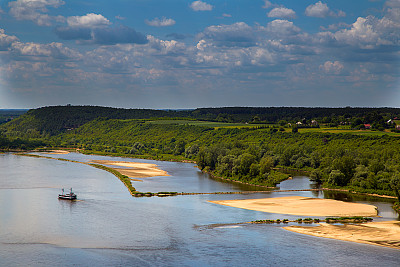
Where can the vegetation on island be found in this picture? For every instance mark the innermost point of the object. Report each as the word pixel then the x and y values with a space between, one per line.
pixel 353 219
pixel 327 143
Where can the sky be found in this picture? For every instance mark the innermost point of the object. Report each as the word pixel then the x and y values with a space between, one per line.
pixel 208 53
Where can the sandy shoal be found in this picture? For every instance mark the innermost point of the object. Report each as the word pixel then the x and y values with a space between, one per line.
pixel 134 169
pixel 58 152
pixel 385 234
pixel 305 206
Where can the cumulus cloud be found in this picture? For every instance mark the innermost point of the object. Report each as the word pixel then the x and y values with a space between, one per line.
pixel 282 12
pixel 283 27
pixel 330 67
pixel 163 22
pixel 165 46
pixel 321 10
pixel 369 33
pixel 90 20
pixel 52 50
pixel 35 10
pixel 6 40
pixel 237 34
pixel 201 6
pixel 95 29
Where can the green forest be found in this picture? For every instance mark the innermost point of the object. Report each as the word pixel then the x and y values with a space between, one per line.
pixel 258 154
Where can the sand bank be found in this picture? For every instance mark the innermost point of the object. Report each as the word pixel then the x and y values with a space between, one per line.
pixel 385 234
pixel 57 152
pixel 134 169
pixel 304 206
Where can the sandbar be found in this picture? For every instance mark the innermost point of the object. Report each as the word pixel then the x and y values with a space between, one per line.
pixel 305 206
pixel 385 234
pixel 134 169
pixel 57 152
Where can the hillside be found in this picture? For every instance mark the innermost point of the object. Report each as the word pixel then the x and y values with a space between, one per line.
pixel 50 121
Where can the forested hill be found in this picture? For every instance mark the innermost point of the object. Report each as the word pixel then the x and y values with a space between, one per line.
pixel 56 119
pixel 48 121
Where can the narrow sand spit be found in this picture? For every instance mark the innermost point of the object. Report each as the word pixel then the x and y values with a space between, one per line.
pixel 305 206
pixel 57 152
pixel 134 169
pixel 385 234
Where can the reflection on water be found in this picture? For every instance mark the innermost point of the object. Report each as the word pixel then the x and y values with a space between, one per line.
pixel 108 227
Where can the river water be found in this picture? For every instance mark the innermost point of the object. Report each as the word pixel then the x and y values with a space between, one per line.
pixel 108 227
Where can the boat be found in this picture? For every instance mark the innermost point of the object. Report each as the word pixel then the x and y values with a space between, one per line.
pixel 70 196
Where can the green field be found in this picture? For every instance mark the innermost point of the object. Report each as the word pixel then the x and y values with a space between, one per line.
pixel 207 123
pixel 322 129
pixel 346 130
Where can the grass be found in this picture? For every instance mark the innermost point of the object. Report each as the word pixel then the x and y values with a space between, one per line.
pixel 345 129
pixel 322 129
pixel 206 123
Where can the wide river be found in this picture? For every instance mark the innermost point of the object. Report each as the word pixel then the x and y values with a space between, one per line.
pixel 109 227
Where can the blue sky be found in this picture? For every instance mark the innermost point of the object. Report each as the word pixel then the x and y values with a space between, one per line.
pixel 188 54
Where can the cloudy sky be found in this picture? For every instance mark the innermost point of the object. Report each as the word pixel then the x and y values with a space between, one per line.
pixel 208 53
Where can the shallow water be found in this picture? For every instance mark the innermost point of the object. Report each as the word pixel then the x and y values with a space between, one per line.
pixel 108 227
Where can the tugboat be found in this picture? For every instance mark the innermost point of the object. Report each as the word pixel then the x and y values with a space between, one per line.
pixel 70 196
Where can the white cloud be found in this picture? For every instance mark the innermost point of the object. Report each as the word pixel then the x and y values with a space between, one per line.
pixel 267 4
pixel 282 12
pixel 321 10
pixel 237 34
pixel 35 10
pixel 90 20
pixel 330 67
pixel 52 50
pixel 282 26
pixel 362 33
pixel 163 22
pixel 165 46
pixel 6 40
pixel 201 6
pixel 369 32
pixel 226 15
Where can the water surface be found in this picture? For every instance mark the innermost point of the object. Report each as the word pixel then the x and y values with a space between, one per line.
pixel 108 227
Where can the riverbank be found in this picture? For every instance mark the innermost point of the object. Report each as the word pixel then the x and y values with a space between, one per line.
pixel 385 234
pixel 134 169
pixel 304 206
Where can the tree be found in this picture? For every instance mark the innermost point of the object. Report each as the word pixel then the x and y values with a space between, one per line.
pixel 346 166
pixel 246 160
pixel 179 147
pixel 266 163
pixel 316 175
pixel 395 185
pixel 336 177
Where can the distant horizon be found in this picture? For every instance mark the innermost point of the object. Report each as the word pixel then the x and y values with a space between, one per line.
pixel 195 107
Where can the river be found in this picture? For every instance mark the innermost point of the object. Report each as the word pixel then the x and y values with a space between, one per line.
pixel 109 227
